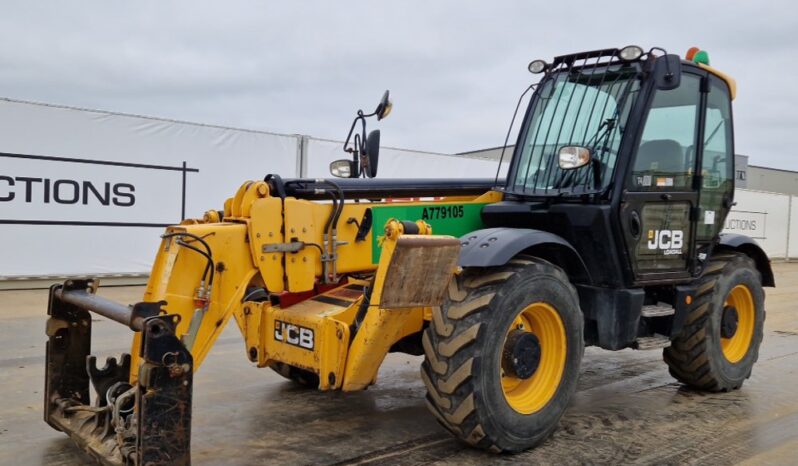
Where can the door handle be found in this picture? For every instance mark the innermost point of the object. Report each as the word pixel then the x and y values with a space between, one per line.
pixel 665 196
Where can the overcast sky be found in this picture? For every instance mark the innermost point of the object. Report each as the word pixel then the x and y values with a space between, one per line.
pixel 454 68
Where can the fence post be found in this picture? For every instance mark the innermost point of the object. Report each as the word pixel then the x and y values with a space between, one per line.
pixel 789 221
pixel 301 155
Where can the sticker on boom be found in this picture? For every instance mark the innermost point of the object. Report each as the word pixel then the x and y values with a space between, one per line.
pixel 442 211
pixel 293 334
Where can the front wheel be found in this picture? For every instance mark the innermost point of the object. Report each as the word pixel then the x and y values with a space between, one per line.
pixel 503 354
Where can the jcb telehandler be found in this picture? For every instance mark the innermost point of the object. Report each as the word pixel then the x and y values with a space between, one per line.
pixel 606 232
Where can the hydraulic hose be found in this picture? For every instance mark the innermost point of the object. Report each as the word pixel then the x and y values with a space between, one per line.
pixel 208 254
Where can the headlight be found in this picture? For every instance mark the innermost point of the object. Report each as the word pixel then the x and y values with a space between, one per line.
pixel 574 157
pixel 342 168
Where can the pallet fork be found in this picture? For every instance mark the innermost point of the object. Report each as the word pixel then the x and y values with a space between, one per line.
pixel 144 423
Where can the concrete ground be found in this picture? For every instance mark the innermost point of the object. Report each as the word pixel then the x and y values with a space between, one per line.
pixel 627 410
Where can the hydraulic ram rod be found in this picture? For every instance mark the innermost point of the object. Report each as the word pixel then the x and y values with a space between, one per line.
pixel 121 313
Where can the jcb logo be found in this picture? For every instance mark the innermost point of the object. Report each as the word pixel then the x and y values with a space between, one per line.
pixel 293 334
pixel 670 241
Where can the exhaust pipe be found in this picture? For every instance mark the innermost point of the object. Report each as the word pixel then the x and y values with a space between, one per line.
pixel 147 422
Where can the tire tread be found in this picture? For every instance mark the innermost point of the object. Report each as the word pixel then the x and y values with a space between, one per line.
pixel 688 357
pixel 449 364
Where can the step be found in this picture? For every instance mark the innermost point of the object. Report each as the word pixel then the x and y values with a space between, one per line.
pixel 654 342
pixel 657 310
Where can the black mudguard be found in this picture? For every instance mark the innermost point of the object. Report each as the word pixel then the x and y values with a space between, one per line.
pixel 493 247
pixel 748 246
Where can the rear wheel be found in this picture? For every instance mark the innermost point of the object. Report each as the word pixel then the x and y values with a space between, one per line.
pixel 719 343
pixel 503 354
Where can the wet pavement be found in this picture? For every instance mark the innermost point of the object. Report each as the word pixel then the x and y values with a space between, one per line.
pixel 627 409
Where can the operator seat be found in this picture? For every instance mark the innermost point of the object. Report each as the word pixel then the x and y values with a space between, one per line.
pixel 661 159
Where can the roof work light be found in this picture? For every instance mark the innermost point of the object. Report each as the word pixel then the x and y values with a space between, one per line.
pixel 630 53
pixel 537 66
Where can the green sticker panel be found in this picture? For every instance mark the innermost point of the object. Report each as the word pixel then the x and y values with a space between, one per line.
pixel 454 219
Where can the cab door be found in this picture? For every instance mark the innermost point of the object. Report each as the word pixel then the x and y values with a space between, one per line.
pixel 717 166
pixel 660 194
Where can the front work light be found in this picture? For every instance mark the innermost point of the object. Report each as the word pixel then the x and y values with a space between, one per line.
pixel 630 52
pixel 342 168
pixel 573 157
pixel 537 66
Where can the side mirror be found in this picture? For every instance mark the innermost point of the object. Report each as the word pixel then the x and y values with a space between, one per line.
pixel 370 159
pixel 343 168
pixel 385 106
pixel 572 157
pixel 668 72
pixel 365 150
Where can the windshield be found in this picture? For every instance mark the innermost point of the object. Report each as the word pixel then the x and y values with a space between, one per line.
pixel 586 107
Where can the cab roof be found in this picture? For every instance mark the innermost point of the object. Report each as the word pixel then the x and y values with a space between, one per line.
pixel 725 77
pixel 611 54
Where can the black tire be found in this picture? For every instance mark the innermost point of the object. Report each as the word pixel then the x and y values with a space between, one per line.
pixel 696 357
pixel 299 376
pixel 463 346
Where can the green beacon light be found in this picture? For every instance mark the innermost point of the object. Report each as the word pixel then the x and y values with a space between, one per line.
pixel 701 57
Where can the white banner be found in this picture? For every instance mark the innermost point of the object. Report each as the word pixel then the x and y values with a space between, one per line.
pixel 753 224
pixel 85 192
pixel 762 216
pixel 68 191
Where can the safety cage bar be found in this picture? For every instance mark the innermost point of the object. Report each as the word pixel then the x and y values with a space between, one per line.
pixel 536 171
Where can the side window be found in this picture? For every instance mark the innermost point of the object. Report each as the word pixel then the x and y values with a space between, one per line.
pixel 664 160
pixel 717 165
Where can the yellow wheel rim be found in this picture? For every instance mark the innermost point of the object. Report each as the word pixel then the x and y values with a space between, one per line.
pixel 527 396
pixel 736 347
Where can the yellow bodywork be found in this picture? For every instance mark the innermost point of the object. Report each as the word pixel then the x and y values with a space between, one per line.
pixel 255 245
pixel 731 82
pixel 176 274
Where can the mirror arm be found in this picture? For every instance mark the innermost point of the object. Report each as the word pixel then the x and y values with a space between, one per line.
pixel 596 173
pixel 349 136
pixel 352 129
pixel 355 151
pixel 362 130
pixel 668 72
pixel 361 150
